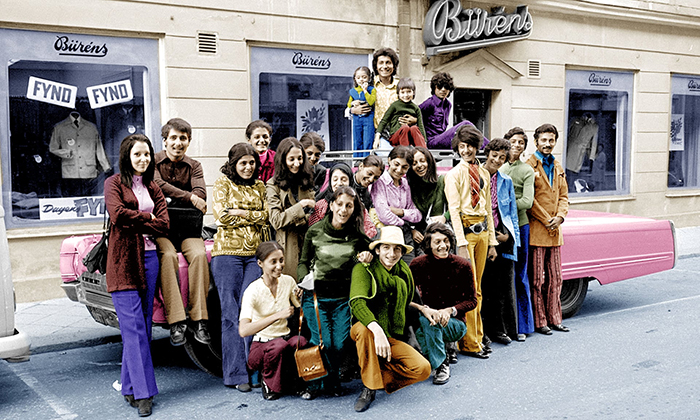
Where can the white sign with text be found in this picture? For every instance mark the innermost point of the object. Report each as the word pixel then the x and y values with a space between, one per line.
pixel 51 92
pixel 110 93
pixel 71 208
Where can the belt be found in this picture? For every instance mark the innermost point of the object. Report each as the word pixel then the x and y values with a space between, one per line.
pixel 265 340
pixel 477 228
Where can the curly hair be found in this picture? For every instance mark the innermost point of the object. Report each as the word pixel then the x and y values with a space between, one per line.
pixel 237 151
pixel 437 228
pixel 386 52
pixel 514 132
pixel 283 177
pixel 498 145
pixel 442 80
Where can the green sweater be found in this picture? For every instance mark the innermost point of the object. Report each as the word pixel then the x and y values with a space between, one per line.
pixel 396 110
pixel 523 177
pixel 330 253
pixel 382 296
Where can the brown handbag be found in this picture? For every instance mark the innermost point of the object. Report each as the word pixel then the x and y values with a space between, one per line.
pixel 310 364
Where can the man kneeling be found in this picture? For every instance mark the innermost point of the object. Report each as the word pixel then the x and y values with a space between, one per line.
pixel 380 293
pixel 441 279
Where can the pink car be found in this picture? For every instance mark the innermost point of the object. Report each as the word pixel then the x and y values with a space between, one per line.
pixel 611 247
pixel 597 246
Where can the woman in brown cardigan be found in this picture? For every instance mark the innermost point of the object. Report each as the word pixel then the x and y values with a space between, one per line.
pixel 290 196
pixel 137 210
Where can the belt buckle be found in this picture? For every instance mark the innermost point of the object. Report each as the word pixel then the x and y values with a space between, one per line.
pixel 477 228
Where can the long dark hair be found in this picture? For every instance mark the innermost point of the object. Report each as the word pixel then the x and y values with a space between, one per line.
pixel 357 220
pixel 283 177
pixel 431 174
pixel 126 170
pixel 237 151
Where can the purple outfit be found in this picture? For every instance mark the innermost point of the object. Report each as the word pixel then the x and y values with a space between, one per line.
pixel 436 114
pixel 385 195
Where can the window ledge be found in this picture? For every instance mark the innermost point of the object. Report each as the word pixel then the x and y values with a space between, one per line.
pixel 684 193
pixel 600 199
pixel 63 231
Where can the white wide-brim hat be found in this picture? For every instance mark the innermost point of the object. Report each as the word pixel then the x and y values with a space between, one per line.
pixel 391 235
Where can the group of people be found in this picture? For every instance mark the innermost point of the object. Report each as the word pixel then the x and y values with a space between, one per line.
pixel 373 255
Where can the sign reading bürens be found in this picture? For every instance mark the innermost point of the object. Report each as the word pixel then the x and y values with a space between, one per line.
pixel 449 28
pixel 110 93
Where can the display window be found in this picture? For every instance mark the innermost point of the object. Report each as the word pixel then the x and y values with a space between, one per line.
pixel 597 146
pixel 297 91
pixel 684 132
pixel 69 104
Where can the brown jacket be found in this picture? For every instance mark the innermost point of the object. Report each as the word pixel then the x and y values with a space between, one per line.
pixel 550 201
pixel 290 222
pixel 125 254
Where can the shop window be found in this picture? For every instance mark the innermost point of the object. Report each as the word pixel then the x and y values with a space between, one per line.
pixel 597 146
pixel 298 91
pixel 66 120
pixel 684 133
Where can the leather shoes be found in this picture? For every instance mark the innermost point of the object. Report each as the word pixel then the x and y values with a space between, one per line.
pixel 144 406
pixel 487 349
pixel 130 399
pixel 269 394
pixel 521 337
pixel 502 338
pixel 177 333
pixel 559 327
pixel 364 400
pixel 476 354
pixel 201 333
pixel 544 330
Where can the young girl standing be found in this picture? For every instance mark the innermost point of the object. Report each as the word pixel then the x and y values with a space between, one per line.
pixel 331 249
pixel 241 213
pixel 290 195
pixel 363 124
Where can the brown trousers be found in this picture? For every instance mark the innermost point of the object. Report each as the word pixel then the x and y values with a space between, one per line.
pixel 198 279
pixel 407 366
pixel 545 284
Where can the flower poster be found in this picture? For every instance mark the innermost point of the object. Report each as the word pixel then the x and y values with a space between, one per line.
pixel 312 115
pixel 677 139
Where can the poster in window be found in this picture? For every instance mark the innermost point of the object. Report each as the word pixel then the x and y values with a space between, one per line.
pixel 312 115
pixel 677 130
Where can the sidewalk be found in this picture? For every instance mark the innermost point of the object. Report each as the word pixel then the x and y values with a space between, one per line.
pixel 61 324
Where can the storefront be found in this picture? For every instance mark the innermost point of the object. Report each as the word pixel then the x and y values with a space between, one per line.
pixel 619 81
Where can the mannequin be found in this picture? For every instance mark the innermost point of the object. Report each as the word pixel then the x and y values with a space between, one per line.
pixel 77 142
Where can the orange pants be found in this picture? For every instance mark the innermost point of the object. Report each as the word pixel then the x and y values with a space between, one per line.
pixel 407 366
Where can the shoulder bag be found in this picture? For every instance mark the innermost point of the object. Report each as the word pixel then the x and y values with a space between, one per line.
pixel 309 360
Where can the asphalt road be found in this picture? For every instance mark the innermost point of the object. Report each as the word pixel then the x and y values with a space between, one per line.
pixel 632 353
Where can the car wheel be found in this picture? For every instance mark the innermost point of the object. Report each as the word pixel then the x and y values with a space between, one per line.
pixel 573 293
pixel 208 357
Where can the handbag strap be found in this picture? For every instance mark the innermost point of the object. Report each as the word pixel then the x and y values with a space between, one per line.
pixel 318 319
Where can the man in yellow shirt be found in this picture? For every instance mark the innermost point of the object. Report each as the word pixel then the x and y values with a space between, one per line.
pixel 468 193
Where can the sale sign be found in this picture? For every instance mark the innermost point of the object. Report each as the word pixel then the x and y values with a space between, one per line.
pixel 110 94
pixel 51 92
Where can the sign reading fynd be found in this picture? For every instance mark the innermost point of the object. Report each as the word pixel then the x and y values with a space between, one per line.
pixel 450 28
